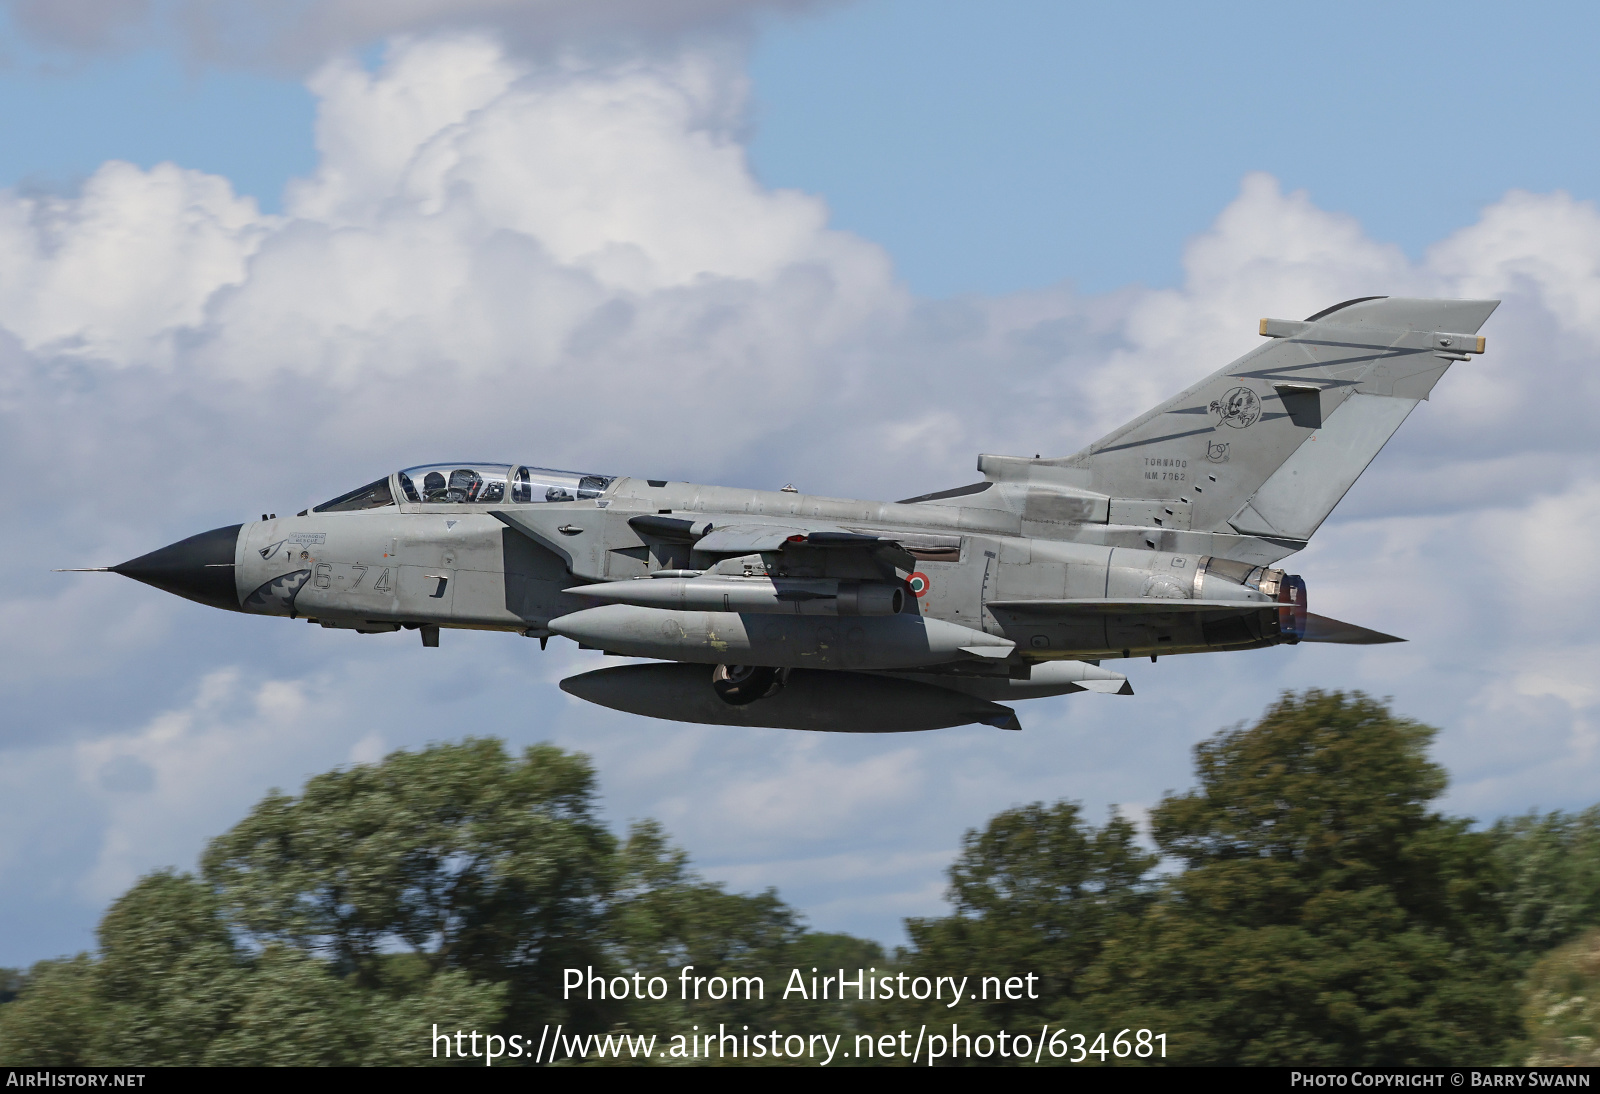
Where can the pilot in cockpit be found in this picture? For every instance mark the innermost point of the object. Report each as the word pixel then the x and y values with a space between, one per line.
pixel 464 486
pixel 493 484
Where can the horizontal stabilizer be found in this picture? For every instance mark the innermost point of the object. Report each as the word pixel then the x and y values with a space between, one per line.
pixel 1128 606
pixel 1319 628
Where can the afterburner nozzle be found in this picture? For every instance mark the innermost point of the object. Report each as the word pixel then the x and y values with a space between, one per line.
pixel 1292 615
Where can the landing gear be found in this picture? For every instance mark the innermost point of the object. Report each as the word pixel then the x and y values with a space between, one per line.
pixel 740 685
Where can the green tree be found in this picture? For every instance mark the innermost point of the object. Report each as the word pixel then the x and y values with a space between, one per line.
pixel 1562 1006
pixel 290 1011
pixel 1552 867
pixel 1324 915
pixel 450 887
pixel 1038 892
pixel 171 988
pixel 55 1016
pixel 466 857
pixel 166 981
pixel 11 981
pixel 664 918
pixel 169 974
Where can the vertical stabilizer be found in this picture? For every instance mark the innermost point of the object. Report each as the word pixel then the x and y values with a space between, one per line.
pixel 1267 446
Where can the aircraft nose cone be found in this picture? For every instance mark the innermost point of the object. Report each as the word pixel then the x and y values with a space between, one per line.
pixel 199 568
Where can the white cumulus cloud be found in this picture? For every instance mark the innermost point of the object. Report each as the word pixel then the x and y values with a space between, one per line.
pixel 301 34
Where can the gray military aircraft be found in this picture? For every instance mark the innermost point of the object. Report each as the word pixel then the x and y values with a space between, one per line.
pixel 777 608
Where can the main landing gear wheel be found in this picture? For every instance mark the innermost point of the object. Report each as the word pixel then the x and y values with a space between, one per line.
pixel 740 685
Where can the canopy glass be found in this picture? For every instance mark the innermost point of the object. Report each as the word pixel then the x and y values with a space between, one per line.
pixel 497 483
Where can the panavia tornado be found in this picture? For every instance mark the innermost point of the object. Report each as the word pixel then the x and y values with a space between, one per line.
pixel 778 608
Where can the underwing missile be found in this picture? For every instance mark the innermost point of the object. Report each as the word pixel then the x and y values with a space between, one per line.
pixel 753 594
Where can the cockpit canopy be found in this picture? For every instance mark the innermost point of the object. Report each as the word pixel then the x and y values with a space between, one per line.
pixel 454 483
pixel 473 484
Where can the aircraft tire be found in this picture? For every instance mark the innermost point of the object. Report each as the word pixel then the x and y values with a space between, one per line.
pixel 741 685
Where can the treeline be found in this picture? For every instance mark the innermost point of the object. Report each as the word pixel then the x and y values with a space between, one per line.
pixel 1304 904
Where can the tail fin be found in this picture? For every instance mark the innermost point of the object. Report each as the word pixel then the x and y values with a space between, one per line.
pixel 1267 446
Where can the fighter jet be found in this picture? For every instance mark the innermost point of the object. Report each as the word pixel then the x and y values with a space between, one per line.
pixel 779 608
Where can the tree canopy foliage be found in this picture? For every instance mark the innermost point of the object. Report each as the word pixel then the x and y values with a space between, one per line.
pixel 450 886
pixel 1305 903
pixel 461 856
pixel 1324 913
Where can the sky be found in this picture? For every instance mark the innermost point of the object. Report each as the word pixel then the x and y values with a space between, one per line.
pixel 253 255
